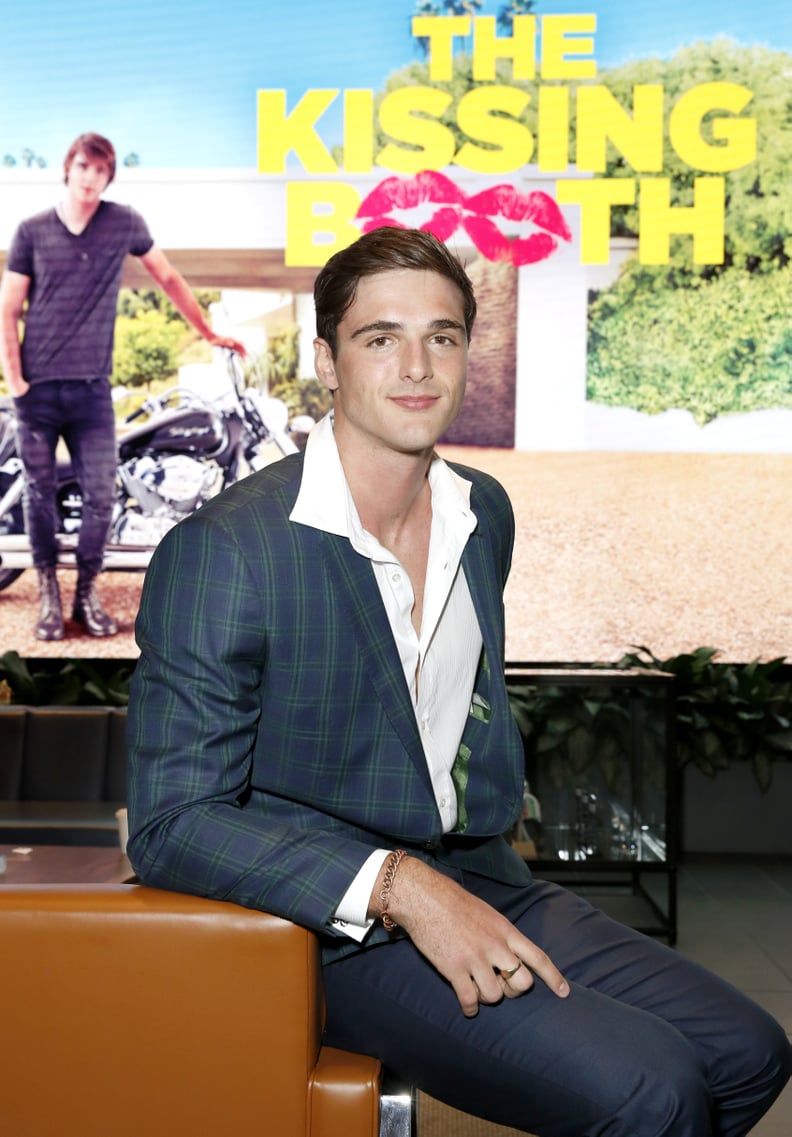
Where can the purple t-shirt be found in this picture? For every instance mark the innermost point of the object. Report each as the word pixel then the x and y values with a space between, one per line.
pixel 74 283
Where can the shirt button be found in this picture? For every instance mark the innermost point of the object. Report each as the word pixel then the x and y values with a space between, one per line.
pixel 396 577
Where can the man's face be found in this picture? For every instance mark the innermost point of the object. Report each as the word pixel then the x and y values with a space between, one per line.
pixel 87 178
pixel 401 362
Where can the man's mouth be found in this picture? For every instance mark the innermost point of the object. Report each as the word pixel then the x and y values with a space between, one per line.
pixel 414 402
pixel 476 214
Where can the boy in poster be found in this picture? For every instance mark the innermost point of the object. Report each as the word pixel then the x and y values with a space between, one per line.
pixel 66 264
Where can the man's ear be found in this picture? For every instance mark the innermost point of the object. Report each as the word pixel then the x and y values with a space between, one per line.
pixel 324 365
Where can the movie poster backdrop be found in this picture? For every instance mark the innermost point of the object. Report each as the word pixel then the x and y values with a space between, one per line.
pixel 616 178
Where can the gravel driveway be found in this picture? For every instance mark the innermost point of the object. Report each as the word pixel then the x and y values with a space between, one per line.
pixel 119 593
pixel 674 551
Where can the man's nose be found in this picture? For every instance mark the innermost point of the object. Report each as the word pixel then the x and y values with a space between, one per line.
pixel 416 362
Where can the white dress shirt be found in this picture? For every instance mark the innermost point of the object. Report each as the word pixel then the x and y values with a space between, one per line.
pixel 439 663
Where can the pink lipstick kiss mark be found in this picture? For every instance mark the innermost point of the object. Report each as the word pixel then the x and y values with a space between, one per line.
pixel 474 213
pixel 444 223
pixel 530 250
pixel 406 193
pixel 487 238
pixel 506 201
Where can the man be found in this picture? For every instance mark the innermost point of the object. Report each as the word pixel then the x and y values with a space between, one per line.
pixel 319 727
pixel 66 263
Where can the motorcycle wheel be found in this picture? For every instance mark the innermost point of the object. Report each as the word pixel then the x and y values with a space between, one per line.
pixel 11 522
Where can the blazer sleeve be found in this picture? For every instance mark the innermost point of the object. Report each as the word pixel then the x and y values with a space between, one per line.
pixel 193 719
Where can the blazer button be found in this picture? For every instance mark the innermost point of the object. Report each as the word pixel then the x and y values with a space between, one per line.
pixel 429 846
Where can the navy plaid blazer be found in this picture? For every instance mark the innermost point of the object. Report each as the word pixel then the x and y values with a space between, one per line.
pixel 273 743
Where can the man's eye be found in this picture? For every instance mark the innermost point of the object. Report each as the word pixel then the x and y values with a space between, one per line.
pixel 443 339
pixel 380 341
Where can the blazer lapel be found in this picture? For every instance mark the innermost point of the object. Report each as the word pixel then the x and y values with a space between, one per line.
pixel 360 604
pixel 482 573
pixel 483 578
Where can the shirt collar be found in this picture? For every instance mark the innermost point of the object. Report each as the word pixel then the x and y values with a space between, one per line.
pixel 324 501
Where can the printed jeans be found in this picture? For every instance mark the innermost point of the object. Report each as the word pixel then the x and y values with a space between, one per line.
pixel 81 413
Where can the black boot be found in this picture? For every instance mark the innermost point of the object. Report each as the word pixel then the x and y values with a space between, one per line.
pixel 88 609
pixel 50 624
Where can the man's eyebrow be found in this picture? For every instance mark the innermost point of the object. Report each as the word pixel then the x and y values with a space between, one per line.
pixel 376 326
pixel 441 324
pixel 447 324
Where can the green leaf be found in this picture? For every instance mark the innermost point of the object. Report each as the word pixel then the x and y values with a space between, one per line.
pixel 781 740
pixel 763 769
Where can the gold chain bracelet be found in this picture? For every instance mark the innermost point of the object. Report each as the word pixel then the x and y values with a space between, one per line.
pixel 387 883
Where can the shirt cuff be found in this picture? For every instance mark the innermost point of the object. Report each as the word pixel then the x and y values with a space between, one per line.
pixel 351 917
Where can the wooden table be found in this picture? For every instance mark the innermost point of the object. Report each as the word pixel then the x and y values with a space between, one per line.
pixel 64 864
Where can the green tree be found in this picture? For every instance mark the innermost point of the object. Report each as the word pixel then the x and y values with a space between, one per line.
pixel 672 347
pixel 27 158
pixel 281 369
pixel 448 7
pixel 657 338
pixel 508 12
pixel 303 397
pixel 444 8
pixel 133 301
pixel 280 362
pixel 417 75
pixel 146 349
pixel 759 195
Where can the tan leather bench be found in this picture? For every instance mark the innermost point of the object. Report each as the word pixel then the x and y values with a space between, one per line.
pixel 134 1012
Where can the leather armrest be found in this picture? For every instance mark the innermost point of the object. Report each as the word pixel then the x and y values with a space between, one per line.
pixel 129 1011
pixel 343 1094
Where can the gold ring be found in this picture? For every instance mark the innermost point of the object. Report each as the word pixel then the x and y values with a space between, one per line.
pixel 512 971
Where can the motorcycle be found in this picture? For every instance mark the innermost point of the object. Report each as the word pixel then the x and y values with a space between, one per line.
pixel 188 449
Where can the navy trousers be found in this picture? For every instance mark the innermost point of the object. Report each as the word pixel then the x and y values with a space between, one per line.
pixel 647 1043
pixel 80 411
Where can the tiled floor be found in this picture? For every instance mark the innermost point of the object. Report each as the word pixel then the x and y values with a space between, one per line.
pixel 736 918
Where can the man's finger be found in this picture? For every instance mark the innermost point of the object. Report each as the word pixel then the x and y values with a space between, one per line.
pixel 543 966
pixel 469 997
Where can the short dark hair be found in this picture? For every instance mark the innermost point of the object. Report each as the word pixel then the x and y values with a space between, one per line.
pixel 383 250
pixel 96 146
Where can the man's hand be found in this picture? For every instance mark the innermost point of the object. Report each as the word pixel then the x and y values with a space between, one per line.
pixel 18 387
pixel 471 945
pixel 179 293
pixel 14 289
pixel 228 342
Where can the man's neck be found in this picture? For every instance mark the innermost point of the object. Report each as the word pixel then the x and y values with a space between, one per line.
pixel 391 492
pixel 76 216
pixel 394 503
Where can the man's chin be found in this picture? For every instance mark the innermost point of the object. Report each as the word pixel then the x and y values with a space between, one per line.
pixel 418 442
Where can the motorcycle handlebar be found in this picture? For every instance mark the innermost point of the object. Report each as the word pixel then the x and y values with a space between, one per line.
pixel 236 372
pixel 157 403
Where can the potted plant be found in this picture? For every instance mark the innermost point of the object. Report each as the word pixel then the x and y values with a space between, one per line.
pixel 727 712
pixel 72 682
